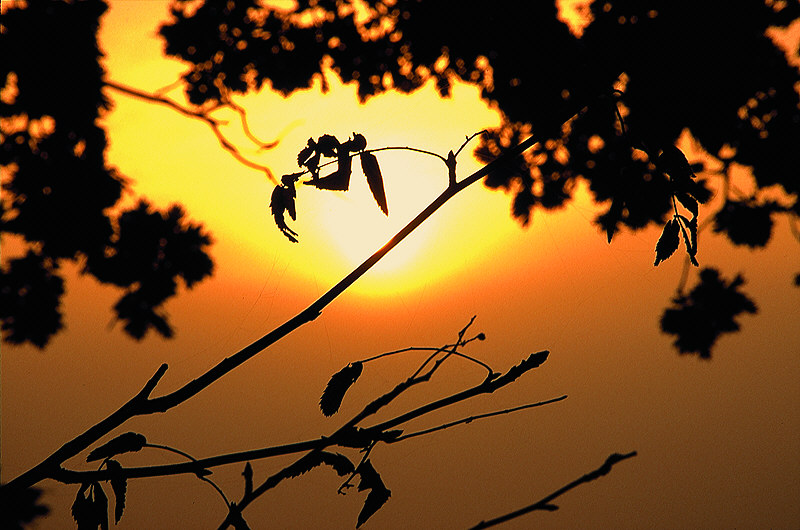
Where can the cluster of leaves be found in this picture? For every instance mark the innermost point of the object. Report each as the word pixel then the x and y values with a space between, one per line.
pixel 310 157
pixel 707 311
pixel 58 191
pixel 90 508
pixel 686 191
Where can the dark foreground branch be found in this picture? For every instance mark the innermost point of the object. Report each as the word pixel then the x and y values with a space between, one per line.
pixel 545 505
pixel 138 406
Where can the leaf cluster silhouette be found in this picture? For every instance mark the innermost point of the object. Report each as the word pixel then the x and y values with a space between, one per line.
pixel 61 197
pixel 652 62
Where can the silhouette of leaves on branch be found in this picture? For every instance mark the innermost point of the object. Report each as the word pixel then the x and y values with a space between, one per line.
pixel 378 492
pixel 310 157
pixel 698 318
pixel 339 383
pixel 124 443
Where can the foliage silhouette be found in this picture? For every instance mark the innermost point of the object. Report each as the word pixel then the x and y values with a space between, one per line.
pixel 606 109
pixel 628 63
pixel 60 190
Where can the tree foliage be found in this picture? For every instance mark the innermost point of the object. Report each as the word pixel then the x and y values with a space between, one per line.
pixel 61 196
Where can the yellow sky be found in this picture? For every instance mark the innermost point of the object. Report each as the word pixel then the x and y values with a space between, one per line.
pixel 719 442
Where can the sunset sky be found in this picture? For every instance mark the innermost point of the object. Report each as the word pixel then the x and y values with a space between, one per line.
pixel 718 442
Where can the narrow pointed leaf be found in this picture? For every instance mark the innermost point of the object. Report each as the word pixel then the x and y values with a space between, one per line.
pixel 339 383
pixel 119 485
pixel 100 506
pixel 375 180
pixel 124 443
pixel 668 242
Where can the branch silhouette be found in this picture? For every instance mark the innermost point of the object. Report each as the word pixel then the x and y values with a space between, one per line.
pixel 204 116
pixel 143 404
pixel 545 503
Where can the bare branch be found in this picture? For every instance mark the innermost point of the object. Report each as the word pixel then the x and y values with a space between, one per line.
pixel 544 504
pixel 203 116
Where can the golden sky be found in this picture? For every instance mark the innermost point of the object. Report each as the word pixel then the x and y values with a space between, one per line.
pixel 718 442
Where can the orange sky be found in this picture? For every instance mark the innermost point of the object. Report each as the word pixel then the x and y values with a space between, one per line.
pixel 718 442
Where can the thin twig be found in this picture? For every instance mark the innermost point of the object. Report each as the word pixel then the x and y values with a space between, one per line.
pixel 473 418
pixel 544 504
pixel 201 115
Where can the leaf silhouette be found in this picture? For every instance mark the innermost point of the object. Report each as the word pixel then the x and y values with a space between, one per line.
pixel 119 485
pixel 709 310
pixel 369 164
pixel 100 506
pixel 688 202
pixel 340 463
pixel 124 443
pixel 282 199
pixel 668 242
pixel 339 383
pixel 339 180
pixel 690 238
pixel 83 509
pixel 378 495
pixel 327 145
pixel 674 163
pixel 358 143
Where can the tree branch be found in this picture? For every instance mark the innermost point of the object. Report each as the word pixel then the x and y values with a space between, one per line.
pixel 213 123
pixel 544 504
pixel 138 406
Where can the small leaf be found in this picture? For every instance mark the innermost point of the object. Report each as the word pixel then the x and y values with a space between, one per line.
pixel 358 143
pixel 83 509
pixel 124 443
pixel 280 201
pixel 690 238
pixel 673 162
pixel 340 463
pixel 378 495
pixel 100 506
pixel 668 242
pixel 339 383
pixel 305 154
pixel 327 145
pixel 248 479
pixel 688 202
pixel 119 485
pixel 369 164
pixel 339 180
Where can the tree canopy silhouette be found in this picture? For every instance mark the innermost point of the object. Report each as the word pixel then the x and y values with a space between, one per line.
pixel 610 105
pixel 62 196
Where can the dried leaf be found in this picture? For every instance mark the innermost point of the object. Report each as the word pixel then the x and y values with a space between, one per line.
pixel 119 485
pixel 339 383
pixel 306 153
pixel 378 495
pixel 327 145
pixel 124 443
pixel 340 463
pixel 100 506
pixel 248 479
pixel 358 143
pixel 668 242
pixel 280 201
pixel 369 164
pixel 339 180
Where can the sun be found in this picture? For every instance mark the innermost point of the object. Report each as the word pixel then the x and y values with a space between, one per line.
pixel 355 225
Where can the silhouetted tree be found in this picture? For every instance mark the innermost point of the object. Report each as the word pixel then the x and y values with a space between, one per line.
pixel 608 106
pixel 60 190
